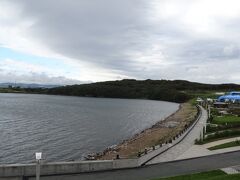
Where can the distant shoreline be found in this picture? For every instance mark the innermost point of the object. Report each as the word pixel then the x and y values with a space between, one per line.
pixel 26 93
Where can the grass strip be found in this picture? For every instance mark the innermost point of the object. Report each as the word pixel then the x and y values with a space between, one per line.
pixel 229 119
pixel 225 145
pixel 211 175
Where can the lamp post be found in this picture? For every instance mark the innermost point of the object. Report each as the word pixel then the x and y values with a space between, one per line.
pixel 209 111
pixel 38 159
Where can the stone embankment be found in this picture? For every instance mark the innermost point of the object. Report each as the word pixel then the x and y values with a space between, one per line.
pixel 160 133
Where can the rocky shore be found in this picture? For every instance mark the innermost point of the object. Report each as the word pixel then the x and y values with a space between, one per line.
pixel 159 133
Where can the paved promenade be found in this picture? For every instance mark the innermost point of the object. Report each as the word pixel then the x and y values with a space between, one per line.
pixel 158 170
pixel 202 150
pixel 178 150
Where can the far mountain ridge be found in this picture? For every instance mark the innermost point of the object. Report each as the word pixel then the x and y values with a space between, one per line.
pixel 27 85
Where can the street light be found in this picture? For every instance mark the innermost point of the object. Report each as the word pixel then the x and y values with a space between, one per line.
pixel 38 159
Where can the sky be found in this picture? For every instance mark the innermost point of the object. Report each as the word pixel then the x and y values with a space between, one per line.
pixel 74 42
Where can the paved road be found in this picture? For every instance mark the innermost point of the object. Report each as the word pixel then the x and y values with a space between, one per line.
pixel 159 170
pixel 176 151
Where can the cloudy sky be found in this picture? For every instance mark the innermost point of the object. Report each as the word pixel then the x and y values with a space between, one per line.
pixel 69 41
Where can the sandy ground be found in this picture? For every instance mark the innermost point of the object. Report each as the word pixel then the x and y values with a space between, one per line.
pixel 157 134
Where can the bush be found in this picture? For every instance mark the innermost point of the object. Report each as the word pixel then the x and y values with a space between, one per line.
pixel 226 119
pixel 215 112
pixel 223 134
pixel 210 118
pixel 211 129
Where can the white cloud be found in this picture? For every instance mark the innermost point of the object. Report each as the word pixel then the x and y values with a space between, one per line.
pixel 18 71
pixel 37 78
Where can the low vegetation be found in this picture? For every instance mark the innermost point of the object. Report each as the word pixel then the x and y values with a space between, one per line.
pixel 218 136
pixel 226 119
pixel 222 124
pixel 221 127
pixel 24 90
pixel 225 145
pixel 9 90
pixel 211 175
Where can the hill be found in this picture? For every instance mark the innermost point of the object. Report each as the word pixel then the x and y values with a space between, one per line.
pixel 166 90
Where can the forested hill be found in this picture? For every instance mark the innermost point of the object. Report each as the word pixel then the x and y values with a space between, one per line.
pixel 166 90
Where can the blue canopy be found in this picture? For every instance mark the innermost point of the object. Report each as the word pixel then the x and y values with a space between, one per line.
pixel 232 96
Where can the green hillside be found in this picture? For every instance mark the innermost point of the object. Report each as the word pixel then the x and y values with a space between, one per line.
pixel 166 90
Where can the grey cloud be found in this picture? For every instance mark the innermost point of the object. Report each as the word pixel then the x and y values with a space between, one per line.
pixel 99 33
pixel 211 49
pixel 107 33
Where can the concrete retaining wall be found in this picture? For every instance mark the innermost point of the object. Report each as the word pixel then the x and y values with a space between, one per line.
pixel 66 167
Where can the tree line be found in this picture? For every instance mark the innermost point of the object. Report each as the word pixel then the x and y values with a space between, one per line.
pixel 166 90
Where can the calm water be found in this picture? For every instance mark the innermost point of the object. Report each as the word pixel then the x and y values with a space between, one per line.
pixel 67 128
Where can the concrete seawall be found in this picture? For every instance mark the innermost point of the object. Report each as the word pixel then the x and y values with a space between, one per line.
pixel 20 171
pixel 65 167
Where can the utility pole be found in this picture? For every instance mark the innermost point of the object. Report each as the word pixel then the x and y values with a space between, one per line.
pixel 209 111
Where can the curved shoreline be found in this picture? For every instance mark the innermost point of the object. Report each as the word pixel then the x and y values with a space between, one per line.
pixel 158 133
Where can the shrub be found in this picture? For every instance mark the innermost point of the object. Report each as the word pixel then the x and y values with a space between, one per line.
pixel 221 127
pixel 223 134
pixel 210 119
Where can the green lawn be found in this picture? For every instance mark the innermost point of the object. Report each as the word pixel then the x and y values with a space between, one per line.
pixel 211 175
pixel 230 119
pixel 225 145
